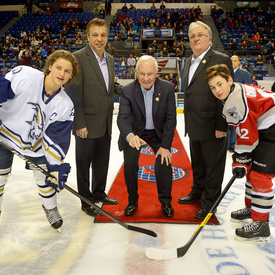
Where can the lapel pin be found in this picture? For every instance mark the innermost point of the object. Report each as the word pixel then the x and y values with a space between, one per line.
pixel 204 61
pixel 157 99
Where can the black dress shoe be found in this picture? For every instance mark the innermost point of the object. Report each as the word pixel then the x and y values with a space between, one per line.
pixel 91 211
pixel 168 210
pixel 202 213
pixel 108 200
pixel 130 209
pixel 188 199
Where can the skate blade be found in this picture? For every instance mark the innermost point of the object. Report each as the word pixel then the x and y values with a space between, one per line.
pixel 240 221
pixel 253 240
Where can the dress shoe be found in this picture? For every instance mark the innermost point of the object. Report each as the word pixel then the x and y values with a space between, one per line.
pixel 202 213
pixel 90 211
pixel 168 210
pixel 108 200
pixel 188 199
pixel 130 209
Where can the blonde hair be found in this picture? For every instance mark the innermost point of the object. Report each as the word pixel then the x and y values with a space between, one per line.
pixel 97 22
pixel 51 59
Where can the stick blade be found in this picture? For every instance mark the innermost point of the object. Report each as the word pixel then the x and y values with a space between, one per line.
pixel 161 254
pixel 142 230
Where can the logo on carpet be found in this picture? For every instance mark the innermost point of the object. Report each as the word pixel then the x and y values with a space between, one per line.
pixel 148 151
pixel 148 173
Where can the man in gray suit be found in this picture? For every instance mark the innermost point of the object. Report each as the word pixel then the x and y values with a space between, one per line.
pixel 93 95
pixel 204 123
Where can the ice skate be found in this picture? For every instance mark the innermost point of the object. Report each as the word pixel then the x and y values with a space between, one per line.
pixel 241 215
pixel 53 217
pixel 255 232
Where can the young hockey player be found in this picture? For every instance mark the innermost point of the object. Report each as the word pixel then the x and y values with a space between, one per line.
pixel 36 119
pixel 251 111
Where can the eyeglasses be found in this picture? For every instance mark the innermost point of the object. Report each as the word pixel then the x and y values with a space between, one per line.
pixel 200 35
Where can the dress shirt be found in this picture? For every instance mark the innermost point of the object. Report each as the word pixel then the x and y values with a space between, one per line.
pixel 103 65
pixel 195 62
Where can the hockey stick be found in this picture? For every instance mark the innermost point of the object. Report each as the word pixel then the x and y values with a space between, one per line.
pixel 47 174
pixel 166 254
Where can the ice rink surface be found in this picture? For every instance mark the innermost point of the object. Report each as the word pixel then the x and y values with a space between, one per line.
pixel 30 246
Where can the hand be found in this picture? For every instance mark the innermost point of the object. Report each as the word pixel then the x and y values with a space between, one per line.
pixel 220 134
pixel 239 171
pixel 135 141
pixel 165 155
pixel 82 133
pixel 59 176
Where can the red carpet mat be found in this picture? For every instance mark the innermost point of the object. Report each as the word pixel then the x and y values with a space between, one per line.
pixel 149 208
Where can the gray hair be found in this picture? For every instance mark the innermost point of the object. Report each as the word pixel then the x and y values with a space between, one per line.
pixel 200 23
pixel 147 58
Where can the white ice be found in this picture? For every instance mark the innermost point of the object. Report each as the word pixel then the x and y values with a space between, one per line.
pixel 28 245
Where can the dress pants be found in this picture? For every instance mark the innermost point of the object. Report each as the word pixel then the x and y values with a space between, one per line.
pixel 163 172
pixel 92 153
pixel 208 162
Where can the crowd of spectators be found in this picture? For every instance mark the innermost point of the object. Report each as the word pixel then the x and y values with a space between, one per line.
pixel 244 33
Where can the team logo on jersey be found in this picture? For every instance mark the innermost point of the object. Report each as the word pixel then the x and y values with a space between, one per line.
pixel 37 123
pixel 16 70
pixel 232 112
pixel 148 173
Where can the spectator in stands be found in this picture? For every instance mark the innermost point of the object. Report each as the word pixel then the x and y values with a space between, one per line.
pixel 131 75
pixel 122 62
pixel 135 28
pixel 273 87
pixel 131 61
pixel 233 46
pixel 174 47
pixel 165 52
pixel 124 74
pixel 179 53
pixel 102 12
pixel 165 45
pixel 78 43
pixel 154 46
pixel 124 8
pixel 257 36
pixel 29 6
pixel 48 11
pixel 269 11
pixel 150 51
pixel 244 48
pixel 108 7
pixel 110 49
pixel 35 63
pixel 260 61
pixel 23 34
pixel 96 11
pixel 173 80
pixel 254 81
pixel 223 34
pixel 153 8
pixel 132 8
pixel 136 52
pixel 27 58
pixel 123 36
pixel 245 37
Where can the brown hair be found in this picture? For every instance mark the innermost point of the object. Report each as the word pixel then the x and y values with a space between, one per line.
pixel 97 22
pixel 217 70
pixel 51 59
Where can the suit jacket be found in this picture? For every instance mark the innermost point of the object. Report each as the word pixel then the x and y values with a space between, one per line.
pixel 242 76
pixel 202 110
pixel 132 116
pixel 93 101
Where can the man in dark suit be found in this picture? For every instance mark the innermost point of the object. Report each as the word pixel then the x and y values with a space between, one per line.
pixel 204 123
pixel 93 95
pixel 244 77
pixel 147 114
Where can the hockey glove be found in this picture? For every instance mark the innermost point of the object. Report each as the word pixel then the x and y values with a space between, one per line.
pixel 60 175
pixel 241 164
